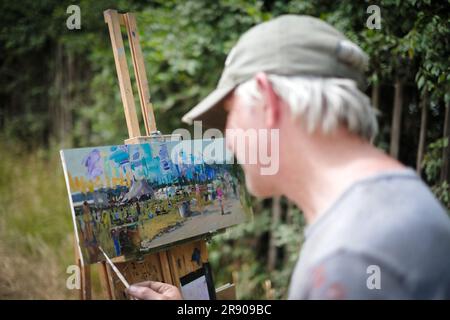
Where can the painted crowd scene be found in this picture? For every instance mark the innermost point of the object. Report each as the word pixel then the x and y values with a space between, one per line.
pixel 128 199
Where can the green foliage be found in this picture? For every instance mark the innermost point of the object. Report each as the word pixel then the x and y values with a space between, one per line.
pixel 186 44
pixel 432 164
pixel 432 161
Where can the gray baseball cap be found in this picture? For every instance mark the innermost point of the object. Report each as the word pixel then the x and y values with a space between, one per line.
pixel 289 45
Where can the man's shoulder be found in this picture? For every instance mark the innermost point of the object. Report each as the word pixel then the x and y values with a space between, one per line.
pixel 345 275
pixel 394 221
pixel 389 213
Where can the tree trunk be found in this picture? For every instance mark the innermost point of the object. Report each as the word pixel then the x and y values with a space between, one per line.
pixel 276 216
pixel 71 84
pixel 423 132
pixel 445 153
pixel 56 95
pixel 289 221
pixel 376 96
pixel 396 118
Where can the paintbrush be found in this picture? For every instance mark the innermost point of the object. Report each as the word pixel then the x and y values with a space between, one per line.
pixel 118 273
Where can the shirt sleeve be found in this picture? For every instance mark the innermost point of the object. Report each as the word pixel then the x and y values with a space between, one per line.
pixel 347 275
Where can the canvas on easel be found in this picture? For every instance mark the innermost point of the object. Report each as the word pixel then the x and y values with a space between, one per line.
pixel 130 199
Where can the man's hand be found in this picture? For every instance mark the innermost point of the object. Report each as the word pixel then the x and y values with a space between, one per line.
pixel 153 290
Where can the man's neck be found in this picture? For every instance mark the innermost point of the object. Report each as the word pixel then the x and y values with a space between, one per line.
pixel 318 173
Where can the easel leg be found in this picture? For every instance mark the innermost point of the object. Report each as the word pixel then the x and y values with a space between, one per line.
pixel 165 267
pixel 105 279
pixel 86 290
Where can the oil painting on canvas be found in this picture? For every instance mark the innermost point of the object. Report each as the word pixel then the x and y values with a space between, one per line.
pixel 129 199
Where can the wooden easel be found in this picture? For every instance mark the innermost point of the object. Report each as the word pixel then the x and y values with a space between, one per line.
pixel 168 264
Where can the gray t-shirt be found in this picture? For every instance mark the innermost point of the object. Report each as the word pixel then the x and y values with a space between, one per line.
pixel 386 237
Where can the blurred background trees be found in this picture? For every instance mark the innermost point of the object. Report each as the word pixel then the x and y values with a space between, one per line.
pixel 58 89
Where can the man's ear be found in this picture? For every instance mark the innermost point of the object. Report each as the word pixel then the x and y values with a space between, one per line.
pixel 272 103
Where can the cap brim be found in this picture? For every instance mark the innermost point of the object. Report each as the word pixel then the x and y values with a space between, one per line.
pixel 209 110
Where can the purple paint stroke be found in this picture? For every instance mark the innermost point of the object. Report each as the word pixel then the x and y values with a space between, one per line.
pixel 93 164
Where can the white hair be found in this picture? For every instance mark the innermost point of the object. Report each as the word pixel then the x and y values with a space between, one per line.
pixel 321 102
